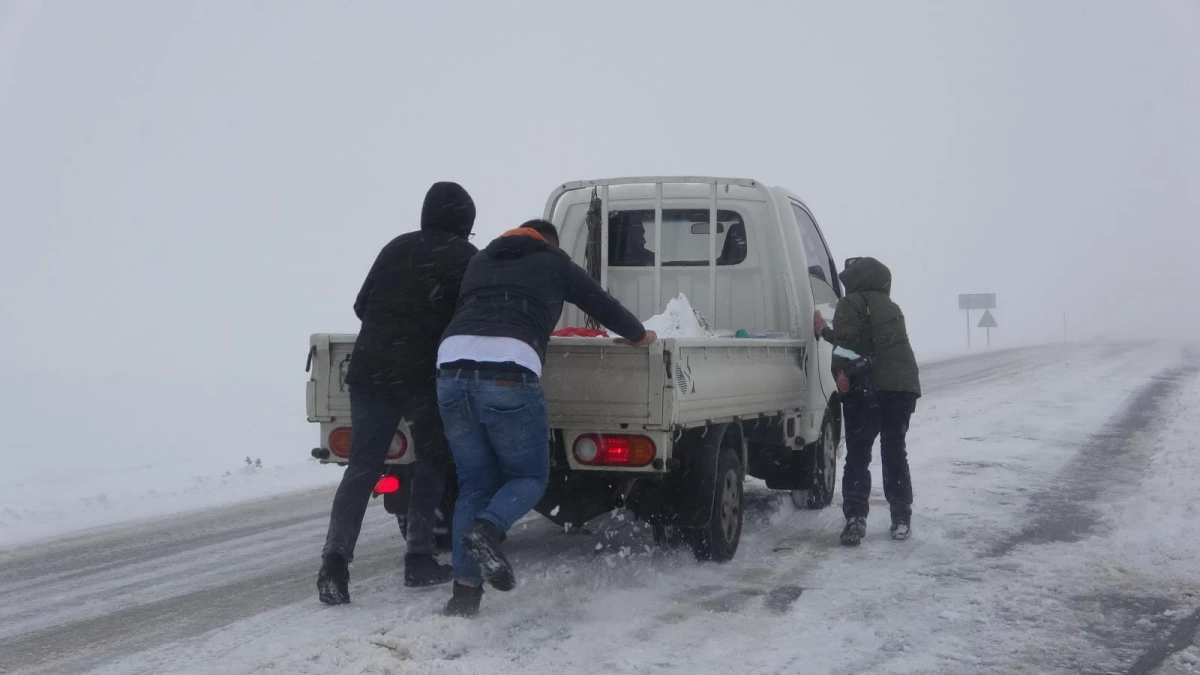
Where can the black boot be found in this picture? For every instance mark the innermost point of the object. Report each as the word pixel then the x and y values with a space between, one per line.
pixel 465 601
pixel 856 529
pixel 482 542
pixel 901 529
pixel 422 569
pixel 333 581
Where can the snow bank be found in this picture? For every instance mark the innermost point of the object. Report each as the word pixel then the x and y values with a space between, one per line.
pixel 1157 532
pixel 92 451
pixel 679 320
pixel 40 502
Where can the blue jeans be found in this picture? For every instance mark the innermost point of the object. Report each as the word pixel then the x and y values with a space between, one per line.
pixel 500 438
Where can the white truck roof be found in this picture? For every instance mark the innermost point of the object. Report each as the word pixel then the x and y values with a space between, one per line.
pixel 643 187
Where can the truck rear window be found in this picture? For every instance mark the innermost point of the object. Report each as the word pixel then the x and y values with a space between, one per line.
pixel 685 238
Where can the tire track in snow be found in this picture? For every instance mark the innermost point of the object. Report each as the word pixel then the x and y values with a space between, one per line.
pixel 1112 461
pixel 70 605
pixel 1109 466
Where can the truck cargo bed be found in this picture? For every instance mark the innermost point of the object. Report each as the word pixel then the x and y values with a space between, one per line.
pixel 675 383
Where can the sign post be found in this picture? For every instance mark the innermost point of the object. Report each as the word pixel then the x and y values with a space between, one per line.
pixel 970 301
pixel 989 322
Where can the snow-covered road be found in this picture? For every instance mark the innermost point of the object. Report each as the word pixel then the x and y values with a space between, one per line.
pixel 1055 532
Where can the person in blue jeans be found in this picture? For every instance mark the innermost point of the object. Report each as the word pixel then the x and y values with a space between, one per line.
pixel 490 397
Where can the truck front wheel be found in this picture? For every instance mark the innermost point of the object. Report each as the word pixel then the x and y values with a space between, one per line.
pixel 820 475
pixel 718 541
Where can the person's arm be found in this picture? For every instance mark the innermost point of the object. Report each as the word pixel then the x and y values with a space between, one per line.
pixel 445 297
pixel 847 331
pixel 822 330
pixel 364 294
pixel 586 294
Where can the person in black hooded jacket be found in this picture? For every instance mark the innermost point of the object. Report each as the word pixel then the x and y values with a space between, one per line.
pixel 405 304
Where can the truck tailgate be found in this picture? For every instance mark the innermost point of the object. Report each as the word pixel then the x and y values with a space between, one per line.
pixel 676 382
pixel 718 379
pixel 328 399
pixel 595 384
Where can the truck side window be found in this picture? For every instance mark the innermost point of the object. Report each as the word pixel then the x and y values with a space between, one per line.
pixel 821 272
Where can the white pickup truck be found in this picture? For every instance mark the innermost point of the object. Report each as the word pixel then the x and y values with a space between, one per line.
pixel 671 430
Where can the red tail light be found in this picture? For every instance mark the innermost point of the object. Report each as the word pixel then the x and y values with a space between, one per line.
pixel 602 450
pixel 387 485
pixel 340 440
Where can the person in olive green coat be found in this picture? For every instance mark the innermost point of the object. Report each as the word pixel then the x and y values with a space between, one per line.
pixel 871 341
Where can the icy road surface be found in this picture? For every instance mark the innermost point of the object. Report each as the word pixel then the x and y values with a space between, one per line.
pixel 1055 531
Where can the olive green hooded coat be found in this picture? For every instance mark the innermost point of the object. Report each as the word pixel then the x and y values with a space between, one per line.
pixel 868 285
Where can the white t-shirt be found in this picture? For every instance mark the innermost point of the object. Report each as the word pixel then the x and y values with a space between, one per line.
pixel 488 350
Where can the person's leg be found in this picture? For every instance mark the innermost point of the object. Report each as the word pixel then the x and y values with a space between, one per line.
pixel 861 429
pixel 514 415
pixel 427 484
pixel 431 467
pixel 478 474
pixel 443 529
pixel 519 432
pixel 895 411
pixel 374 417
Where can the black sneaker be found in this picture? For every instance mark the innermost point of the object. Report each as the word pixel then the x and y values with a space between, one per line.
pixel 333 581
pixel 422 569
pixel 464 602
pixel 856 529
pixel 901 529
pixel 482 543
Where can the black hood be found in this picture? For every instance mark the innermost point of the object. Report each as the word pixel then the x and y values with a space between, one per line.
pixel 519 243
pixel 448 208
pixel 868 274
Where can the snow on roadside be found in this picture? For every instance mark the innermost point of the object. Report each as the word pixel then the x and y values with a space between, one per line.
pixel 1157 529
pixel 91 451
pixel 38 502
pixel 1186 662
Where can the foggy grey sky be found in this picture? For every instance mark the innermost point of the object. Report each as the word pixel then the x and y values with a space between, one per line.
pixel 188 190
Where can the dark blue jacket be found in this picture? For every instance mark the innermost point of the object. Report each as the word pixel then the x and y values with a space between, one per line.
pixel 516 288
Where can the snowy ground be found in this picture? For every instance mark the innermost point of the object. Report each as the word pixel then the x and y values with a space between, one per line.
pixel 132 448
pixel 1055 532
pixel 39 501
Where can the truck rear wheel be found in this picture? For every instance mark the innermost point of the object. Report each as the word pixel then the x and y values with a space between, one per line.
pixel 821 472
pixel 718 541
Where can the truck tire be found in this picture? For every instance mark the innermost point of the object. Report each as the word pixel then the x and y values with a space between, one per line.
pixel 718 541
pixel 821 473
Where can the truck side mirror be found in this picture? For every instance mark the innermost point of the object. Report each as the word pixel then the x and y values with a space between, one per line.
pixel 851 261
